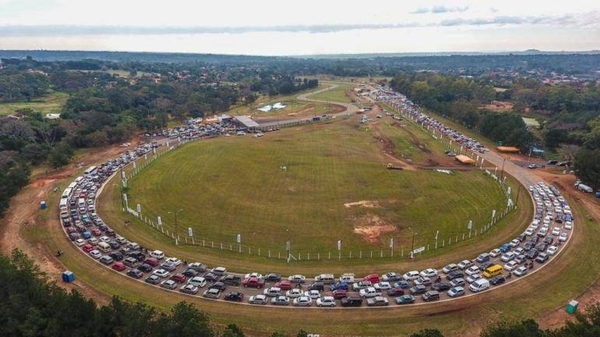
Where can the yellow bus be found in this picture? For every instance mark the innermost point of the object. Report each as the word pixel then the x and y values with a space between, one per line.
pixel 492 271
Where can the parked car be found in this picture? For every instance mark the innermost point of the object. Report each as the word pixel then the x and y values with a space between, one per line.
pixel 294 292
pixel 272 291
pixel 458 282
pixel 152 279
pixel 450 267
pixel 511 265
pixel 498 279
pixel 189 289
pixel 302 301
pixel 284 285
pixel 212 293
pixel 542 257
pixel 377 301
pixel 272 277
pixel 562 237
pixel 472 270
pixel 234 296
pixel 418 289
pixel 258 299
pixel 405 299
pixel 280 300
pixel 441 286
pixel 253 282
pixel 521 271
pixel 369 292
pixel 454 274
pixel 135 273
pixel 395 292
pixel 168 284
pixel 118 266
pixel 429 272
pixel 297 278
pixel 464 264
pixel 551 250
pixel 391 277
pixel 411 275
pixel 351 301
pixel 179 278
pixel 218 285
pixel 432 295
pixel 326 301
pixel 456 291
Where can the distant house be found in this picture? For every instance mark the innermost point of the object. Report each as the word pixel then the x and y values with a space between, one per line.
pixel 52 116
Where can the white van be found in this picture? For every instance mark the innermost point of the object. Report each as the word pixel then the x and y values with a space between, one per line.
pixel 347 277
pixel 479 285
pixel 103 246
pixel 325 278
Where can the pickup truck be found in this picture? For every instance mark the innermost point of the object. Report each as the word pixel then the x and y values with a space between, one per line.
pixel 232 280
pixel 253 282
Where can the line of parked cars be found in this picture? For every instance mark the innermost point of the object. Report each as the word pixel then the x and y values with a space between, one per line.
pixel 542 239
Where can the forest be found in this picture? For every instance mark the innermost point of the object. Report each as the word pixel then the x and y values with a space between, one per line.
pixel 30 305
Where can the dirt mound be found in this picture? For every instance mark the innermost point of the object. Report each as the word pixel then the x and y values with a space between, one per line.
pixel 371 227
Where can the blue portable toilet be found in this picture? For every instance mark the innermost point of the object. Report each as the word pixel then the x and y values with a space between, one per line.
pixel 42 205
pixel 68 276
pixel 598 194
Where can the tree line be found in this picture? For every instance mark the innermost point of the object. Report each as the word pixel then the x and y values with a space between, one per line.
pixel 34 306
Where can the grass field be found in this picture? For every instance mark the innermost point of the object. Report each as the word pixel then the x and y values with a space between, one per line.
pixel 546 290
pixel 235 186
pixel 336 94
pixel 49 104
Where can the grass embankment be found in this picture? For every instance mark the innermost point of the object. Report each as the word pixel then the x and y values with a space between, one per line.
pixel 337 94
pixel 52 103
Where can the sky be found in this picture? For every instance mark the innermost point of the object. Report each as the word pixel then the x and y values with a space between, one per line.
pixel 306 27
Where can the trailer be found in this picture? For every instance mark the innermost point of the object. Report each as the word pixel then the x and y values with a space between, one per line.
pixel 584 188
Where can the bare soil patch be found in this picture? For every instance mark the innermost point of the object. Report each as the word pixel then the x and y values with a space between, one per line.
pixel 499 106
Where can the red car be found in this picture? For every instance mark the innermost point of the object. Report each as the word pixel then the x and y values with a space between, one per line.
pixel 284 285
pixel 96 232
pixel 373 278
pixel 253 282
pixel 118 266
pixel 179 278
pixel 152 261
pixel 339 293
pixel 87 247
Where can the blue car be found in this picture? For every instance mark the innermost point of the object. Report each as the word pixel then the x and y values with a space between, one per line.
pixel 403 284
pixel 339 285
pixel 86 235
pixel 505 248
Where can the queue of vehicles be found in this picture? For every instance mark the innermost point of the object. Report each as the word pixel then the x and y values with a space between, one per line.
pixel 539 243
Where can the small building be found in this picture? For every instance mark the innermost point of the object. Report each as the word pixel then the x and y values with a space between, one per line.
pixel 508 149
pixel 245 123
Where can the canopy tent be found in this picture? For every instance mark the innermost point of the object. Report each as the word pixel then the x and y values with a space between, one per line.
pixel 464 159
pixel 510 149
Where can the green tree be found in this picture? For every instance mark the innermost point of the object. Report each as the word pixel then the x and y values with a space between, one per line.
pixel 61 155
pixel 587 166
pixel 525 328
pixel 232 330
pixel 427 333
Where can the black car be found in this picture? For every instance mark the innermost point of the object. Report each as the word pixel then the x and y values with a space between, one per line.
pixel 234 296
pixel 418 289
pixel 441 286
pixel 548 240
pixel 110 232
pixel 351 301
pixel 117 256
pixel 498 279
pixel 135 273
pixel 532 254
pixel 114 244
pixel 320 286
pixel 144 267
pixel 454 274
pixel 137 255
pixel 218 285
pixel 190 272
pixel 272 277
pixel 232 280
pixel 485 265
pixel 210 277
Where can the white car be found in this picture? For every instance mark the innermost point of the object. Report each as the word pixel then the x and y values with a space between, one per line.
pixel 161 273
pixel 297 278
pixel 514 243
pixel 198 281
pixel 411 275
pixel 429 272
pixel 522 270
pixel 80 242
pixel 95 254
pixel 508 256
pixel 551 250
pixel 93 241
pixel 568 225
pixel 258 299
pixel 251 275
pixel 369 292
pixel 326 301
pixel 272 292
pixel 381 286
pixel 511 265
pixel 294 292
pixel 562 237
pixel 157 254
pixel 464 264
pixel 302 301
pixel 495 252
pixel 104 238
pixel 314 294
pixel 472 270
pixel 173 260
pixel 449 268
pixel 556 231
pixel 473 277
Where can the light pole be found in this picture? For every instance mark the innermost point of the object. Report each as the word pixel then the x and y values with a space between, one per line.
pixel 412 247
pixel 502 170
pixel 176 224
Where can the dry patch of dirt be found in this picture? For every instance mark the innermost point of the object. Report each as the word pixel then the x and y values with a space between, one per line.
pixel 371 227
pixel 499 106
